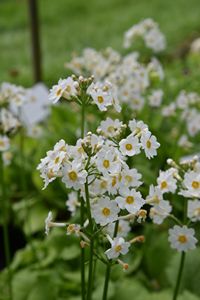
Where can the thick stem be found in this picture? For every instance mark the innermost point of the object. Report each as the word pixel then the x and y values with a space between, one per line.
pixel 5 228
pixel 82 214
pixel 180 272
pixel 108 269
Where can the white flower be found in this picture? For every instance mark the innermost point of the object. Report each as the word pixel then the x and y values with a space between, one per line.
pixel 122 230
pixel 8 121
pixel 155 99
pixel 65 88
pixel 130 200
pixel 182 238
pixel 73 175
pixel 137 127
pixel 99 186
pixel 73 229
pixel 155 196
pixel 4 143
pixel 129 146
pixel 105 211
pixel 149 31
pixel 118 246
pixel 166 181
pixel 56 160
pixel 130 177
pixel 72 203
pixel 110 128
pixel 100 95
pixel 159 212
pixel 107 161
pixel 191 184
pixel 149 144
pixel 194 210
pixel 7 157
pixel 49 223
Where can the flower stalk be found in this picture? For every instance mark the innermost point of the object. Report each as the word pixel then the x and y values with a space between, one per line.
pixel 5 228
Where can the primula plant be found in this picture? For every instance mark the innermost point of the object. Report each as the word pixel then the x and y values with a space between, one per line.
pixel 99 168
pixel 184 180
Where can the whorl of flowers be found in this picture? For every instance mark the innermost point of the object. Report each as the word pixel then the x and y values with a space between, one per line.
pixel 187 105
pixel 130 79
pixel 100 162
pixel 85 90
pixel 149 31
pixel 183 180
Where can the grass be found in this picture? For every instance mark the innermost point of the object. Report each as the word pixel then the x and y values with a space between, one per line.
pixel 69 25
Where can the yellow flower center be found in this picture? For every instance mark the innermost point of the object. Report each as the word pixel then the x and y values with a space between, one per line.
pixel 73 176
pixel 2 144
pixel 118 248
pixel 182 239
pixel 195 184
pixel 106 211
pixel 103 184
pixel 129 147
pixel 114 181
pixel 111 129
pixel 57 160
pixel 128 178
pixel 197 212
pixel 148 144
pixel 163 185
pixel 106 163
pixel 50 174
pixel 129 199
pixel 58 92
pixel 68 89
pixel 100 99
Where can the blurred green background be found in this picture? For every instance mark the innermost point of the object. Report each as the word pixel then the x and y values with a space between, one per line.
pixel 68 25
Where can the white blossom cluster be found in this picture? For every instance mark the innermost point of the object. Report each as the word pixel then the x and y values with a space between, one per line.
pixel 187 104
pixel 100 93
pixel 20 107
pixel 149 31
pixel 100 161
pixel 130 78
pixel 183 180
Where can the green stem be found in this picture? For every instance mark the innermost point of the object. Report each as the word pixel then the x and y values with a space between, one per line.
pixel 178 281
pixel 82 214
pixel 5 229
pixel 82 254
pixel 23 192
pixel 90 273
pixel 182 261
pixel 108 269
pixel 106 282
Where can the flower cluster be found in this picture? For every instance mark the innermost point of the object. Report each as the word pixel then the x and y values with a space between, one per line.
pixel 187 105
pixel 149 31
pixel 98 163
pixel 85 90
pixel 126 79
pixel 20 107
pixel 183 180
